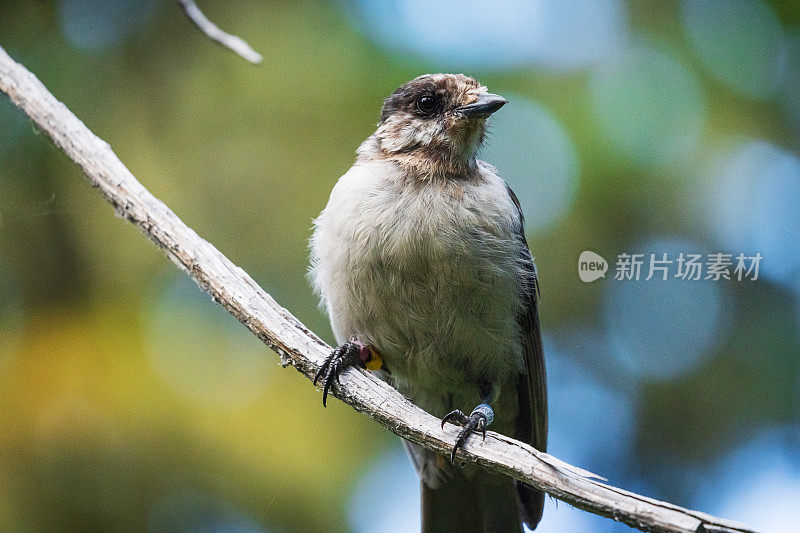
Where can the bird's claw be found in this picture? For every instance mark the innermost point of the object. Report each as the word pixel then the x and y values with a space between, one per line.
pixel 455 416
pixel 342 357
pixel 476 421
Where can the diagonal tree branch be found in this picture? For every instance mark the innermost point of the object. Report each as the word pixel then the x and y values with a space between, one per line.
pixel 275 326
pixel 231 42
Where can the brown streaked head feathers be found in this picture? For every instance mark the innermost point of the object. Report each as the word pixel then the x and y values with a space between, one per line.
pixel 433 125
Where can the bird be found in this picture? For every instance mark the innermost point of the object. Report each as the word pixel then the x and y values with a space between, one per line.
pixel 421 261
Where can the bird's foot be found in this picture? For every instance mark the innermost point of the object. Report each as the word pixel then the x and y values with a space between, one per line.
pixel 343 357
pixel 478 420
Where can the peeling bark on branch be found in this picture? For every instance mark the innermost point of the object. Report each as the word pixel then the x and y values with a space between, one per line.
pixel 275 326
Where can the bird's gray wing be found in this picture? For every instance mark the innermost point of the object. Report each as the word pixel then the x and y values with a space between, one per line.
pixel 531 421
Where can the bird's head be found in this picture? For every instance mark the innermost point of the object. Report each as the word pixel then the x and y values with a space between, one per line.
pixel 435 123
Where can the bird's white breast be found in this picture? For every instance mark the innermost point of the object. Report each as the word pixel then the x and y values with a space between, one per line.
pixel 426 272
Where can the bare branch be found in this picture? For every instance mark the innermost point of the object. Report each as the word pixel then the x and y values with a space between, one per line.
pixel 227 40
pixel 243 298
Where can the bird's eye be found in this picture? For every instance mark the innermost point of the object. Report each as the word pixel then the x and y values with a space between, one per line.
pixel 426 105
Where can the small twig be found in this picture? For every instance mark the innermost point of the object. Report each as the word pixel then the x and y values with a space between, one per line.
pixel 227 40
pixel 232 288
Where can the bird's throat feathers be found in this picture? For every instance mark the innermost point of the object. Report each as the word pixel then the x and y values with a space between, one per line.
pixel 428 150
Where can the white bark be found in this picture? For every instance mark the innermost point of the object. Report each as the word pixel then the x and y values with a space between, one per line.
pixel 231 42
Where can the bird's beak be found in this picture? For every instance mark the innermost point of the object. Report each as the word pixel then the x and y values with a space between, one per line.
pixel 483 107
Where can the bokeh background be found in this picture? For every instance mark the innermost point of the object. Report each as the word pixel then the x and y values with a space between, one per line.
pixel 130 402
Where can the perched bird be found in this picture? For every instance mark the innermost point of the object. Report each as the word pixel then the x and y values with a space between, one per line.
pixel 421 260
